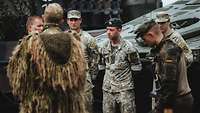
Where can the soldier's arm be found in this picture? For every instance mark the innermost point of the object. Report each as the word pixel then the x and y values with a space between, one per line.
pixel 92 45
pixel 178 39
pixel 169 80
pixel 134 60
pixel 94 57
pixel 101 60
pixel 17 68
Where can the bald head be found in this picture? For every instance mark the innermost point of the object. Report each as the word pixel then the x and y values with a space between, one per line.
pixel 53 13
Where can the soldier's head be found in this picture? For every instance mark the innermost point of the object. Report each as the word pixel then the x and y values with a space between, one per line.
pixel 163 19
pixel 113 28
pixel 53 13
pixel 34 24
pixel 150 32
pixel 74 20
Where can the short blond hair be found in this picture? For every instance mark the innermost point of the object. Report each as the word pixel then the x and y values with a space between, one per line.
pixel 53 13
pixel 31 19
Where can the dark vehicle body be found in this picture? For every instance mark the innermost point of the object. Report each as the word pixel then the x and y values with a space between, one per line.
pixel 185 16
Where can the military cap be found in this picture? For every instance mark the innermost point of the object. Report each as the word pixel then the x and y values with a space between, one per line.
pixel 114 22
pixel 74 14
pixel 162 17
pixel 144 28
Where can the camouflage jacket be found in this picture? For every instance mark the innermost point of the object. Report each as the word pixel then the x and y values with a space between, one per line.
pixel 120 62
pixel 172 71
pixel 178 39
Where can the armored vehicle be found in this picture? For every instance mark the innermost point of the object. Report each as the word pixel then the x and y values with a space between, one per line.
pixel 185 16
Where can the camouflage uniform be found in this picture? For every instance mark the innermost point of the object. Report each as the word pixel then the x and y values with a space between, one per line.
pixel 121 62
pixel 91 55
pixel 175 37
pixel 172 72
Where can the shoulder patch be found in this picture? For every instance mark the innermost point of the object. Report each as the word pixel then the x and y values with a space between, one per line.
pixel 168 61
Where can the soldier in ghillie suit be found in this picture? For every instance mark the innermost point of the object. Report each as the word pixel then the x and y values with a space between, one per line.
pixel 47 70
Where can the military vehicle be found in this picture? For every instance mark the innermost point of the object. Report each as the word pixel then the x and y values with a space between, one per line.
pixel 185 16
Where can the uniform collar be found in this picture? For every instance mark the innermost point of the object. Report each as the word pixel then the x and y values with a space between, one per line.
pixel 51 28
pixel 168 33
pixel 79 33
pixel 119 46
pixel 49 25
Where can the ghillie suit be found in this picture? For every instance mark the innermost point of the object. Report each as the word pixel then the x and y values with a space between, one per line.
pixel 47 73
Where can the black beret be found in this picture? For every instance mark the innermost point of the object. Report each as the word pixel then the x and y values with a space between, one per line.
pixel 114 22
pixel 144 28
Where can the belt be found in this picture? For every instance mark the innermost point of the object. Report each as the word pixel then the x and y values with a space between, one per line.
pixel 184 94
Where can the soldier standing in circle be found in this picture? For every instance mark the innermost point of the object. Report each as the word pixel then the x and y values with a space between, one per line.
pixel 174 95
pixel 34 24
pixel 163 19
pixel 47 70
pixel 122 63
pixel 89 46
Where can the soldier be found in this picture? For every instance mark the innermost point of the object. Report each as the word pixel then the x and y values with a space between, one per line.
pixel 47 70
pixel 121 65
pixel 174 95
pixel 34 24
pixel 89 46
pixel 163 19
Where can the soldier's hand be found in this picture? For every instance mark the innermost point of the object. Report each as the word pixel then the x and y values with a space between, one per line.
pixel 168 110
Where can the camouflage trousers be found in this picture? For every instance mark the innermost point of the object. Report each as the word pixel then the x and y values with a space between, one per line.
pixel 89 101
pixel 88 95
pixel 124 100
